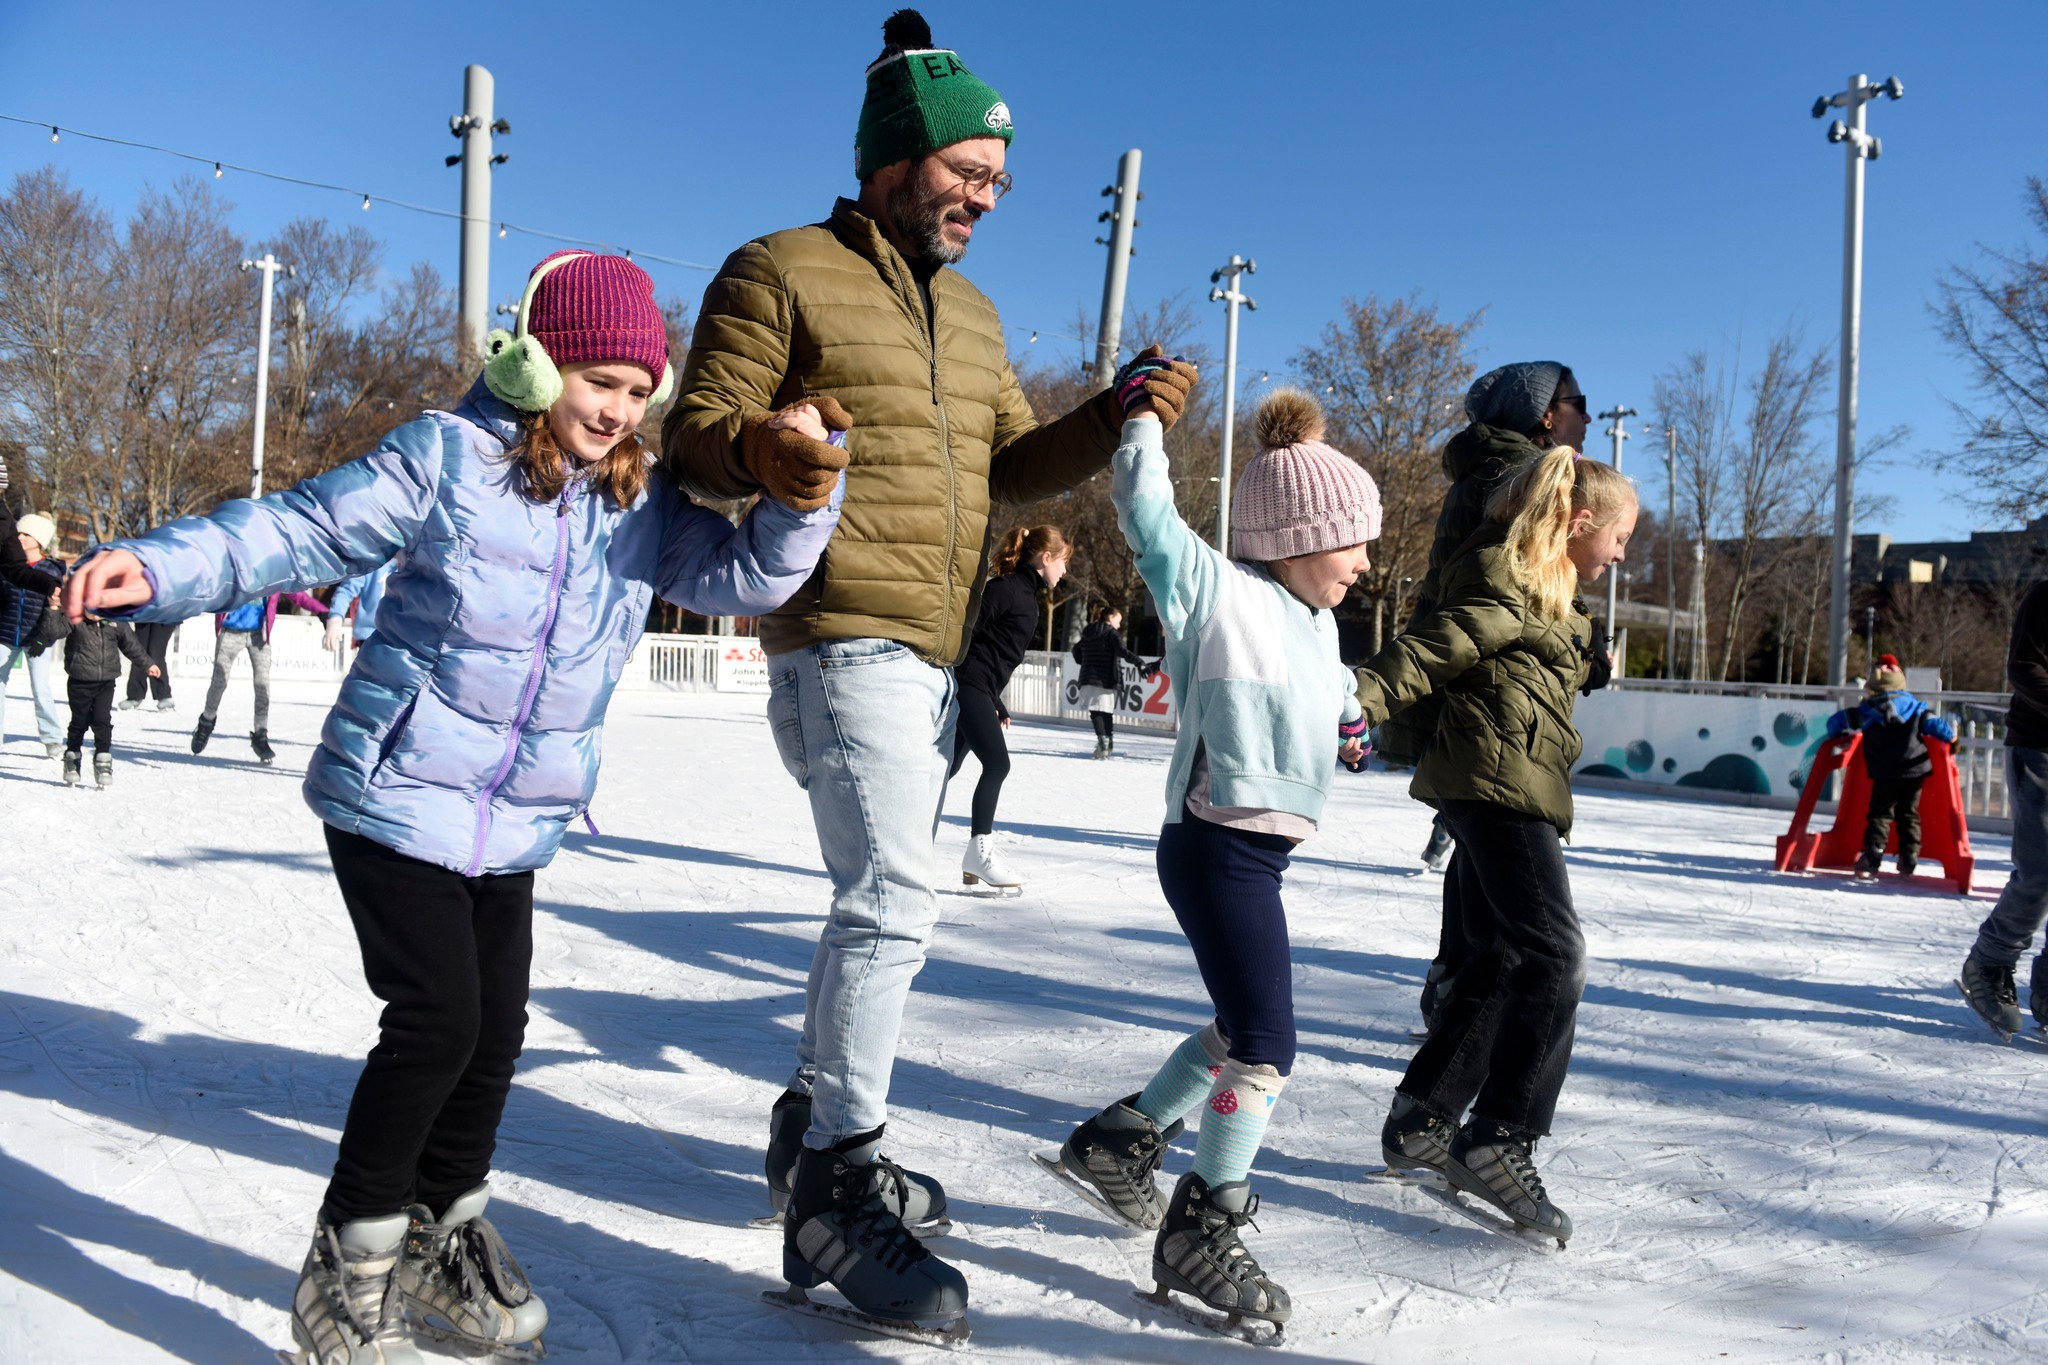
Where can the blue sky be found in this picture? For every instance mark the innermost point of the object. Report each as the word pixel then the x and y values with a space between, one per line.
pixel 1613 184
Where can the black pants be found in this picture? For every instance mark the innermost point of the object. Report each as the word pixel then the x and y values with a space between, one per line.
pixel 155 639
pixel 92 707
pixel 1104 723
pixel 449 956
pixel 981 732
pixel 1893 798
pixel 1503 1040
pixel 1224 887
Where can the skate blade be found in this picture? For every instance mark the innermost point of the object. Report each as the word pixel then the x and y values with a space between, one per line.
pixel 1485 1217
pixel 948 1334
pixel 934 1227
pixel 472 1349
pixel 1418 1035
pixel 1237 1326
pixel 1052 1167
pixel 968 879
pixel 2003 1036
pixel 1413 1175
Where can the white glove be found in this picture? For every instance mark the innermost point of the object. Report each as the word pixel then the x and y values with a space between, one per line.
pixel 337 627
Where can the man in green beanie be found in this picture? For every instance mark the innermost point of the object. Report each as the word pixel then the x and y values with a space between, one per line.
pixel 859 325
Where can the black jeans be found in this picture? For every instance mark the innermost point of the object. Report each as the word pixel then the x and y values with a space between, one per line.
pixel 981 732
pixel 1893 798
pixel 1224 887
pixel 155 639
pixel 1503 1040
pixel 449 956
pixel 1104 723
pixel 92 707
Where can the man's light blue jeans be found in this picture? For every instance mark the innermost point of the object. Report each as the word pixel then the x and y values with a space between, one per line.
pixel 39 688
pixel 866 728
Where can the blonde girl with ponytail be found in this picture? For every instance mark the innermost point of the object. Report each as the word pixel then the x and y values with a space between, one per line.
pixel 1506 647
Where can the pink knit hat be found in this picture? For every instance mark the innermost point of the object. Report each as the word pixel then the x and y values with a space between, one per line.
pixel 1297 495
pixel 598 308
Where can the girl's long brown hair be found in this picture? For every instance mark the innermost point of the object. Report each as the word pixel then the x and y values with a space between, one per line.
pixel 1024 543
pixel 544 466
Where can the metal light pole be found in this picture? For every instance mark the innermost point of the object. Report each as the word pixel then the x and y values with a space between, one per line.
pixel 1670 549
pixel 1860 147
pixel 474 127
pixel 1699 610
pixel 269 265
pixel 1122 218
pixel 1620 434
pixel 1231 296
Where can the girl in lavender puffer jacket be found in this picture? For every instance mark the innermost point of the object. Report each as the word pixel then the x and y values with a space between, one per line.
pixel 528 541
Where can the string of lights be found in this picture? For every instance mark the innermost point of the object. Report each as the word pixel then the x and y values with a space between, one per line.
pixel 221 167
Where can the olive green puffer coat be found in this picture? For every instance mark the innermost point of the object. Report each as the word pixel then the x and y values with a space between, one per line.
pixel 941 429
pixel 1507 680
pixel 1477 461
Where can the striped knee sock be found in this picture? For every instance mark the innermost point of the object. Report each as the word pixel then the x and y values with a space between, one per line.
pixel 1239 1106
pixel 1187 1076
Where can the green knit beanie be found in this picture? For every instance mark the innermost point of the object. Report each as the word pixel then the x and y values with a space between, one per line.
pixel 921 98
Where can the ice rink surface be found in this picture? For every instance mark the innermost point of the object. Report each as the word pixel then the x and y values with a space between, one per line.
pixel 1784 1136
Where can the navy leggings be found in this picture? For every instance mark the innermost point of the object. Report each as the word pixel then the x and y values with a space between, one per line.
pixel 1224 887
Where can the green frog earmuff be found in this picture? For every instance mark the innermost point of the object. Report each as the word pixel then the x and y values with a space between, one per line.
pixel 517 367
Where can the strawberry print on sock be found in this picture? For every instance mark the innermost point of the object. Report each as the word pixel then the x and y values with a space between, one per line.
pixel 1224 1101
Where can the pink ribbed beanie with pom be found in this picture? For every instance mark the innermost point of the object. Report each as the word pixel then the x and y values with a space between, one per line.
pixel 600 308
pixel 1298 496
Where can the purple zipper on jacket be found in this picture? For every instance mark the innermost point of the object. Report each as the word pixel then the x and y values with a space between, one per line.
pixel 540 659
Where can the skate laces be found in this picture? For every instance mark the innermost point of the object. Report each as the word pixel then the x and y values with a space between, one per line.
pixel 1515 1158
pixel 876 1225
pixel 476 1262
pixel 347 1293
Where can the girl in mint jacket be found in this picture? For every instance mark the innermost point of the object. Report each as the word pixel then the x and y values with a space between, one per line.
pixel 1266 711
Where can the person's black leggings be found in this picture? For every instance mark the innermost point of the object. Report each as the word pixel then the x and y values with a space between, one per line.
pixel 449 956
pixel 155 639
pixel 1503 1038
pixel 981 732
pixel 92 708
pixel 1224 887
pixel 1104 723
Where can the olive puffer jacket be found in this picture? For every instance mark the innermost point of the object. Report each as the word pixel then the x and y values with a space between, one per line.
pixel 1507 678
pixel 1477 461
pixel 941 430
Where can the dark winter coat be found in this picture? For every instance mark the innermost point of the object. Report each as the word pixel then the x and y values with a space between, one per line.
pixel 1507 679
pixel 1101 652
pixel 1893 724
pixel 1477 461
pixel 93 648
pixel 14 565
pixel 1009 615
pixel 21 609
pixel 2026 669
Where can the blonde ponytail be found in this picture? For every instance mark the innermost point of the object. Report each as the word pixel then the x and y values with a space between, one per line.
pixel 1538 505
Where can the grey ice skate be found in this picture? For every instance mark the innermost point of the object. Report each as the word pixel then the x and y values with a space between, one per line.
pixel 1493 1163
pixel 1200 1254
pixel 460 1283
pixel 1111 1161
pixel 346 1309
pixel 73 759
pixel 103 770
pixel 1416 1137
pixel 1991 992
pixel 127 703
pixel 52 749
pixel 841 1229
pixel 1101 747
pixel 259 740
pixel 914 1197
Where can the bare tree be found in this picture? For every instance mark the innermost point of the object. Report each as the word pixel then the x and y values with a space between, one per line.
pixel 1995 316
pixel 1392 375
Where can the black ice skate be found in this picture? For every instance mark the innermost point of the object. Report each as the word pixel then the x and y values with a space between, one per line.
pixel 346 1309
pixel 1866 867
pixel 460 1283
pixel 1492 1162
pixel 72 759
pixel 1991 992
pixel 916 1198
pixel 841 1229
pixel 1416 1138
pixel 202 732
pixel 1111 1160
pixel 259 740
pixel 1200 1254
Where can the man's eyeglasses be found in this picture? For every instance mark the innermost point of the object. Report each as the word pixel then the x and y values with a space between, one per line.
pixel 980 178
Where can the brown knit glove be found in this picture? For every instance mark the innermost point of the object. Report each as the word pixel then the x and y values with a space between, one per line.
pixel 795 470
pixel 1153 374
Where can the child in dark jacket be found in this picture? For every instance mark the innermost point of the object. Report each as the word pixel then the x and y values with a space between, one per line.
pixel 1893 722
pixel 92 665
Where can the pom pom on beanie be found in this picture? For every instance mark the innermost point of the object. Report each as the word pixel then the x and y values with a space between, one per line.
pixel 1298 496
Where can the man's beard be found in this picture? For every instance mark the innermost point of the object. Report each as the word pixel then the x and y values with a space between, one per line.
pixel 918 213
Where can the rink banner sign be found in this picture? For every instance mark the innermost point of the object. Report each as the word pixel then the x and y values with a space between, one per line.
pixel 742 666
pixel 1151 698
